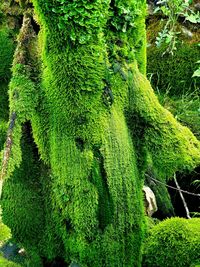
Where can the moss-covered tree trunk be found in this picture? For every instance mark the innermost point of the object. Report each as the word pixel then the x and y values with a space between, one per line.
pixel 84 122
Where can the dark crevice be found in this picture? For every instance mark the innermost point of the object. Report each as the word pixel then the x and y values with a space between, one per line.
pixel 57 262
pixel 35 25
pixel 80 143
pixel 99 179
pixel 20 20
pixel 186 182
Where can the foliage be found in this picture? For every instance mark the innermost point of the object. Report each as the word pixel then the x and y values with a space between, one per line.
pixel 197 72
pixel 173 9
pixel 173 242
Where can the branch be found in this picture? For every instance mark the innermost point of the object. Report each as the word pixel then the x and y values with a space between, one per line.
pixel 182 197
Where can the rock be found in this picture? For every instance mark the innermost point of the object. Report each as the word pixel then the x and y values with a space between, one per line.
pixel 150 201
pixel 197 7
pixel 188 34
pixel 9 250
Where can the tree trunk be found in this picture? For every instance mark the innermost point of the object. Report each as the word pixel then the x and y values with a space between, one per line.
pixel 77 194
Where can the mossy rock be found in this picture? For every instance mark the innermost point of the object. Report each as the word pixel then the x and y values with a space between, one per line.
pixel 174 73
pixel 173 242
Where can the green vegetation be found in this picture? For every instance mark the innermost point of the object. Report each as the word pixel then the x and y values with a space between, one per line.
pixel 6 263
pixel 173 242
pixel 174 73
pixel 84 125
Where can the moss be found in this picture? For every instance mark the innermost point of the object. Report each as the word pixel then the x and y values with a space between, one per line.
pixel 170 146
pixel 24 183
pixel 3 130
pixel 6 54
pixel 174 73
pixel 91 191
pixel 173 242
pixel 5 233
pixel 6 263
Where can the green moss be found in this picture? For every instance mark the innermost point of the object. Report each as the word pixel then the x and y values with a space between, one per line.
pixel 173 242
pixel 6 263
pixel 86 203
pixel 6 54
pixel 169 145
pixel 24 183
pixel 5 233
pixel 3 130
pixel 174 73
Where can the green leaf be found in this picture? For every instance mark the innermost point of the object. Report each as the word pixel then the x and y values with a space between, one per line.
pixel 196 73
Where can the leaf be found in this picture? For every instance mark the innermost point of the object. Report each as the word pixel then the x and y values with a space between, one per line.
pixel 196 73
pixel 191 18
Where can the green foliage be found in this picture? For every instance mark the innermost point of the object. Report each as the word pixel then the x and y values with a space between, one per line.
pixel 174 72
pixel 197 71
pixel 185 108
pixel 172 9
pixel 80 19
pixel 173 242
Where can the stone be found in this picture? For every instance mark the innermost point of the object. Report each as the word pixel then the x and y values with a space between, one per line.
pixel 150 201
pixel 188 34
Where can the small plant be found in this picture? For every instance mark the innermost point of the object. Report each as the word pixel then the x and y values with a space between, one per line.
pixel 197 71
pixel 173 9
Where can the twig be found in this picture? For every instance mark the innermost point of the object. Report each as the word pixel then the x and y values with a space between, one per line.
pixel 182 197
pixel 169 186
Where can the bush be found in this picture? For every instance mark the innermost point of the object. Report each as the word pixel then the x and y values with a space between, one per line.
pixel 173 243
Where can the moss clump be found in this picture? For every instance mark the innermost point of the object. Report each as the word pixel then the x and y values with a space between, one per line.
pixel 173 242
pixel 174 72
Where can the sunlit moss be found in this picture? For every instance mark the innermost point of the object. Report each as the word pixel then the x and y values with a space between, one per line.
pixel 173 242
